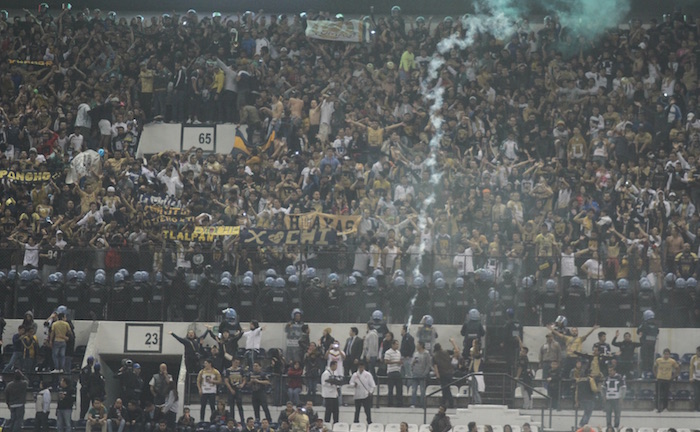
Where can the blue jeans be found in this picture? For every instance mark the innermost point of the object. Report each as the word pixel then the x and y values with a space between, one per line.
pixel 16 419
pixel 415 383
pixel 10 366
pixel 587 406
pixel 58 352
pixel 114 421
pixel 63 420
pixel 293 395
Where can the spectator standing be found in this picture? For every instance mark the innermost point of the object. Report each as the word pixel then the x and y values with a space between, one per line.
pixel 364 384
pixel 159 384
pixel 421 364
pixel 330 383
pixel 666 370
pixel 392 360
pixel 442 366
pixel 573 345
pixel 16 398
pixel 549 352
pixel 613 390
pixel 235 380
pixel 171 406
pixel 694 372
pixel 64 408
pixel 586 389
pixel 625 361
pixel 258 381
pixel 43 406
pixel 353 351
pixel 207 380
pixel 370 350
pixel 408 348
pixel 59 337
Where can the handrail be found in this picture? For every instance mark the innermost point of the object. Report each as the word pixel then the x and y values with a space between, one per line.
pixel 504 375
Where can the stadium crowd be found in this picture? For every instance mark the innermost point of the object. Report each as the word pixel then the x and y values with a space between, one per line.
pixel 565 163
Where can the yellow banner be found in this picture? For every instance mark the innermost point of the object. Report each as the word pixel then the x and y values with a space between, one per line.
pixel 343 225
pixel 202 234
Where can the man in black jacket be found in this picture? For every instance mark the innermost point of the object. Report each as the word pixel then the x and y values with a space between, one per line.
pixel 16 398
pixel 441 421
pixel 353 352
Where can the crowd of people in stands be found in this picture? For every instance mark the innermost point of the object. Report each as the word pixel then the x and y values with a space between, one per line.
pixel 559 156
pixel 566 171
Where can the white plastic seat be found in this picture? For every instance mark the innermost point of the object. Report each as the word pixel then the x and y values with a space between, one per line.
pixel 497 428
pixel 534 428
pixel 341 427
pixel 538 376
pixel 662 430
pixel 347 390
pixel 459 428
pixel 383 389
pixel 375 427
pixel 431 388
pixel 515 428
pixel 624 428
pixel 412 428
pixel 358 427
pixel 426 428
pixel 480 428
pixel 536 395
pixel 392 427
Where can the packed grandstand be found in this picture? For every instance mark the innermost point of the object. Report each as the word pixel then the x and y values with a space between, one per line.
pixel 556 175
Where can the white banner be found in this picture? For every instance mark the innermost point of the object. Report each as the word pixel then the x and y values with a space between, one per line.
pixel 340 31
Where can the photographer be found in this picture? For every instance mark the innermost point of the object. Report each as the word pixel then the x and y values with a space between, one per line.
pixel 330 384
pixel 299 420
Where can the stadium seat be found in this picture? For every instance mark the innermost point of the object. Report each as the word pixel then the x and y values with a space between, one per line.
pixel 375 427
pixel 662 430
pixel 392 427
pixel 685 358
pixel 536 395
pixel 497 428
pixel 431 388
pixel 383 389
pixel 538 375
pixel 518 392
pixel 341 427
pixel 684 376
pixel 347 390
pixel 683 395
pixel 676 357
pixel 534 428
pixel 412 428
pixel 645 429
pixel 646 394
pixel 426 428
pixel 463 392
pixel 358 427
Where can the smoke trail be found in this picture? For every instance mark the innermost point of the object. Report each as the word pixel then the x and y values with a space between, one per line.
pixel 499 18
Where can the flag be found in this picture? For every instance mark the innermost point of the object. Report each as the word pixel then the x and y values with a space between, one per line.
pixel 268 147
pixel 240 144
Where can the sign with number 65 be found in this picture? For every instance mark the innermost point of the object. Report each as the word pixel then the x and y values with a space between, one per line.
pixel 143 338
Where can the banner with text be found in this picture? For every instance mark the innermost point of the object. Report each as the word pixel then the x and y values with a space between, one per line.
pixel 272 237
pixel 202 234
pixel 342 224
pixel 339 31
pixel 28 176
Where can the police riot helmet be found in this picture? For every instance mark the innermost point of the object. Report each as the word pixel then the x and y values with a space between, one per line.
pixel 297 311
pixel 493 294
pixel 270 273
pixel 440 283
pixel 645 284
pixel 290 270
pixel 247 281
pixel 100 279
pixel 293 279
pixel 193 285
pixel 427 320
pixel 609 286
pixel 691 283
pixel 623 284
pixel 310 273
pixel 648 315
pixel 399 282
pixel 550 285
pixel 371 282
pixel 351 281
pixel 269 281
pixel 459 282
pixel 437 274
pixel 377 315
pixel 71 275
pixel 474 315
pixel 280 283
pixel 680 283
pixel 119 277
pixel 575 282
pixel 225 282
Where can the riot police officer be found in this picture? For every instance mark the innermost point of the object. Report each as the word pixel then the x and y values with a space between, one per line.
pixel 608 305
pixel 399 300
pixel 461 299
pixel 224 295
pixel 314 297
pixel 575 302
pixel 378 323
pixel 277 302
pixel 648 332
pixel 472 330
pixel 512 338
pixel 550 302
pixel 625 304
pixel 682 303
pixel 139 294
pixel 156 305
pixel 507 289
pixel 440 302
pixel 118 298
pixel 352 300
pixel 646 300
pixel 74 293
pixel 247 294
pixel 293 288
pixel 230 323
pixel 25 295
pixel 52 294
pixel 421 305
pixel 371 299
pixel 525 309
pixel 191 303
pixel 426 332
pixel 333 299
pixel 665 307
pixel 97 296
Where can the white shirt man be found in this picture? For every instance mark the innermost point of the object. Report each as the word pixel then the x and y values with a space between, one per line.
pixel 392 359
pixel 364 388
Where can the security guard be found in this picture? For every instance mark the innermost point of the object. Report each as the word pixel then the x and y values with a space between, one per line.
pixel 377 323
pixel 371 299
pixel 682 302
pixel 74 294
pixel 97 296
pixel 507 289
pixel 156 305
pixel 118 299
pixel 525 310
pixel 223 297
pixel 646 299
pixel 608 305
pixel 293 331
pixel 399 300
pixel 191 304
pixel 550 302
pixel 461 300
pixel 440 302
pixel 648 333
pixel 472 330
pixel 139 294
pixel 52 294
pixel 25 295
pixel 625 304
pixel 352 300
pixel 575 302
pixel 248 301
pixel 277 303
pixel 426 333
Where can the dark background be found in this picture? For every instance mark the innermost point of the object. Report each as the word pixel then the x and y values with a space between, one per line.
pixel 645 9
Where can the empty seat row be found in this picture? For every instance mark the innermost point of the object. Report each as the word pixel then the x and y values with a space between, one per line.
pixel 396 427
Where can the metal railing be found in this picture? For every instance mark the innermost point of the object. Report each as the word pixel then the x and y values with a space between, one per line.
pixel 470 378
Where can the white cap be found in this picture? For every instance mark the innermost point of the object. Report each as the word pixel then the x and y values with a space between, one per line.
pixel 110 189
pixel 691 116
pixel 59 232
